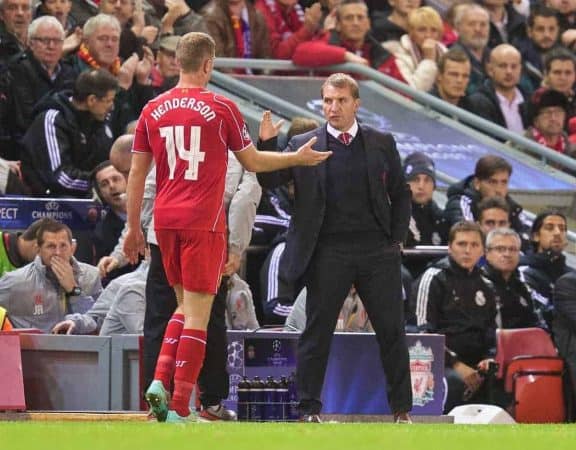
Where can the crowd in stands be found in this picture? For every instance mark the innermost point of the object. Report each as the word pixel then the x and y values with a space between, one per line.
pixel 75 74
pixel 494 58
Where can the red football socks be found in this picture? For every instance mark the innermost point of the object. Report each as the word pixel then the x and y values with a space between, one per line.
pixel 189 359
pixel 167 358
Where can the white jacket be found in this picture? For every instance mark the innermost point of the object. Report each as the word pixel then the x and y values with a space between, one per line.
pixel 419 73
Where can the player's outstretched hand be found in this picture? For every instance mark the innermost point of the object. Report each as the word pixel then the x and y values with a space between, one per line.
pixel 269 129
pixel 307 156
pixel 134 245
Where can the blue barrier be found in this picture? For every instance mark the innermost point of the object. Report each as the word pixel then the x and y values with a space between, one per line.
pixel 17 213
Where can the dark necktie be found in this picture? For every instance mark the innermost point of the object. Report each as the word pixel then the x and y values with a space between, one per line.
pixel 345 138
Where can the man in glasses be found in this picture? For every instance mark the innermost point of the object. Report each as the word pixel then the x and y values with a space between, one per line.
pixel 549 114
pixel 513 295
pixel 29 76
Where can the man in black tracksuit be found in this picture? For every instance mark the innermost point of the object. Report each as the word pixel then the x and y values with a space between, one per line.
pixel 542 268
pixel 428 226
pixel 455 300
pixel 514 298
pixel 490 179
pixel 70 137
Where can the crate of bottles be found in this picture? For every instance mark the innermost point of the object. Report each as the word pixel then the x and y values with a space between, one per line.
pixel 270 400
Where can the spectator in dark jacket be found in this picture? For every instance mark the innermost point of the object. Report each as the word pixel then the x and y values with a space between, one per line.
pixel 513 296
pixel 542 33
pixel 427 224
pixel 491 177
pixel 70 137
pixel 560 75
pixel 500 100
pixel 566 10
pixel 506 23
pixel 542 268
pixel 15 16
pixel 110 186
pixel 453 77
pixel 30 76
pixel 392 25
pixel 60 9
pixel 82 10
pixel 493 212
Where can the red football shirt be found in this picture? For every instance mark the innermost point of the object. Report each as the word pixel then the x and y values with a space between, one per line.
pixel 189 132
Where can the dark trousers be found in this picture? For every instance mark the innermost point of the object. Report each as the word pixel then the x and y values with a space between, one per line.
pixel 160 305
pixel 374 269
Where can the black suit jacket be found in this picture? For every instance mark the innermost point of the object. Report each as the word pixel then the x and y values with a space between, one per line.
pixel 390 195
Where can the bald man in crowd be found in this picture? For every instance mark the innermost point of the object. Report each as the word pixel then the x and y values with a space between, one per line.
pixel 500 99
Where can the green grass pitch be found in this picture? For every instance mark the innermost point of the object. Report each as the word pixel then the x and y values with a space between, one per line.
pixel 268 436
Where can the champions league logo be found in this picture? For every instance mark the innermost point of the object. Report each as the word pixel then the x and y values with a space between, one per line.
pixel 52 211
pixel 52 206
pixel 235 355
pixel 421 359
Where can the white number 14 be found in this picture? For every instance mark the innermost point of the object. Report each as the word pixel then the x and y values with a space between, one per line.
pixel 174 141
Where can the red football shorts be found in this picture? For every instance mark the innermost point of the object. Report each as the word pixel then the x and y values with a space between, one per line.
pixel 193 259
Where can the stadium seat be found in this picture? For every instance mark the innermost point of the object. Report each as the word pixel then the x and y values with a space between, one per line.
pixel 531 371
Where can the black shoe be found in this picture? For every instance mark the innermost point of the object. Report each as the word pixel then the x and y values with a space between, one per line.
pixel 310 418
pixel 402 418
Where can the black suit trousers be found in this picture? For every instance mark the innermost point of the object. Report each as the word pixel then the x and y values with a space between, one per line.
pixel 160 305
pixel 374 269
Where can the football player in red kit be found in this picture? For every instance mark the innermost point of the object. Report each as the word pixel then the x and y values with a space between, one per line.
pixel 188 131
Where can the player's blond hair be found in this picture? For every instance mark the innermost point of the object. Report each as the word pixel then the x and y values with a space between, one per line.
pixel 193 49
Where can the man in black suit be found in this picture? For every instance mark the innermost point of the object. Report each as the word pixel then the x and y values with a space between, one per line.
pixel 350 215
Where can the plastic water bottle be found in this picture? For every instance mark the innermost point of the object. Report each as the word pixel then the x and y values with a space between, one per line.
pixel 244 395
pixel 293 414
pixel 272 408
pixel 267 412
pixel 257 400
pixel 282 398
